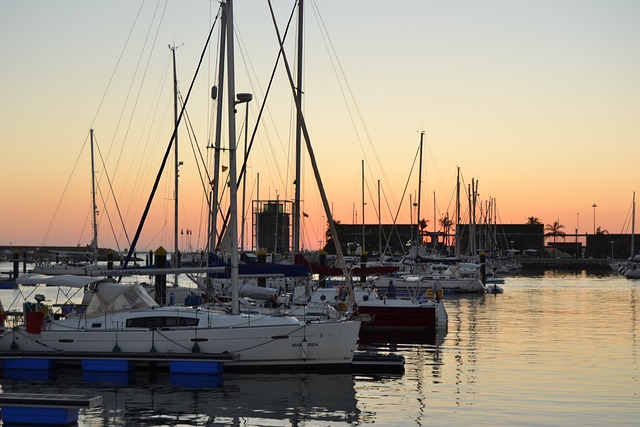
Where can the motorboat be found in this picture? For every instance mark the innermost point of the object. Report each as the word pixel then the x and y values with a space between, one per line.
pixel 378 312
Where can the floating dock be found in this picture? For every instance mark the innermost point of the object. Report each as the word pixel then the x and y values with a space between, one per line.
pixel 44 409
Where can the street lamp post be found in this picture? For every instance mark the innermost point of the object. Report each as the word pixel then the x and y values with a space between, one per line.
pixel 244 98
pixel 594 206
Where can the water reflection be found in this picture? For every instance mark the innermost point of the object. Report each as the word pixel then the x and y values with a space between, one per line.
pixel 154 399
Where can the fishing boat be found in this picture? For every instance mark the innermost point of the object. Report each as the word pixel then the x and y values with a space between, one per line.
pixel 123 318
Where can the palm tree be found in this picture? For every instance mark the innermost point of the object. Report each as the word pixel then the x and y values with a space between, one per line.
pixel 422 224
pixel 446 223
pixel 533 220
pixel 554 230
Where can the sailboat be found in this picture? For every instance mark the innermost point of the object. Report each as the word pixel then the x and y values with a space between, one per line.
pixel 631 269
pixel 123 318
pixel 78 268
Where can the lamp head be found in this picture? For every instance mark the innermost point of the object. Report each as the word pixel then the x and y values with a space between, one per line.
pixel 243 97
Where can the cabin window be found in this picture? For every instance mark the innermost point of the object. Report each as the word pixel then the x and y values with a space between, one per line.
pixel 161 322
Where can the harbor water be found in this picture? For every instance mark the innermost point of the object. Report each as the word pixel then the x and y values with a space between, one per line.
pixel 555 349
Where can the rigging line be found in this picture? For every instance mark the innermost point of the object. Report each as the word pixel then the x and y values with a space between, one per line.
pixel 150 122
pixel 197 154
pixel 195 148
pixel 326 37
pixel 205 205
pixel 211 106
pixel 135 102
pixel 394 232
pixel 249 67
pixel 115 200
pixel 255 130
pixel 64 192
pixel 129 90
pixel 84 226
pixel 167 152
pixel 113 232
pixel 404 193
pixel 113 74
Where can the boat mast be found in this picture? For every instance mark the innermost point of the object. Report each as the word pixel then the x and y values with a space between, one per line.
pixel 93 205
pixel 340 263
pixel 457 237
pixel 419 194
pixel 363 203
pixel 379 224
pixel 176 256
pixel 233 185
pixel 296 204
pixel 217 95
pixel 633 225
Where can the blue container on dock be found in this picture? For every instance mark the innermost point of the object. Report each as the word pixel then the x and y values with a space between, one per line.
pixel 101 365
pixel 12 415
pixel 35 364
pixel 195 367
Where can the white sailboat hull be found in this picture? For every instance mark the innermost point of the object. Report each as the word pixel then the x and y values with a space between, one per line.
pixel 256 340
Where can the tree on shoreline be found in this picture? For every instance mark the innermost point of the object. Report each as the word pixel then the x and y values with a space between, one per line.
pixel 533 220
pixel 554 230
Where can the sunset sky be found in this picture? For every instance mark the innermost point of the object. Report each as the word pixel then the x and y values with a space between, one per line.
pixel 538 101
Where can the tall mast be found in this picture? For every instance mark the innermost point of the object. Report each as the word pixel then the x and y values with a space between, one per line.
pixel 363 203
pixel 457 237
pixel 216 94
pixel 379 224
pixel 176 256
pixel 340 263
pixel 296 204
pixel 94 207
pixel 633 225
pixel 233 185
pixel 420 190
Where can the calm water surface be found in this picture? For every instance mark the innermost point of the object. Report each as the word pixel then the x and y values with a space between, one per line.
pixel 553 350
